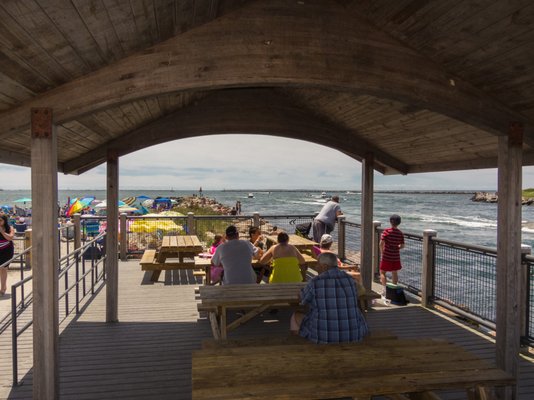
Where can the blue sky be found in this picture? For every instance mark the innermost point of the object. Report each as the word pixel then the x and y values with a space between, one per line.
pixel 255 162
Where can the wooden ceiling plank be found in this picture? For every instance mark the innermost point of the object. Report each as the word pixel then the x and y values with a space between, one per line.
pixel 482 36
pixel 95 123
pixel 18 71
pixel 145 21
pixel 67 20
pixel 21 49
pixel 124 23
pixel 205 10
pixel 13 90
pixel 96 20
pixel 81 132
pixel 165 16
pixel 153 107
pixel 246 111
pixel 184 15
pixel 44 32
pixel 121 118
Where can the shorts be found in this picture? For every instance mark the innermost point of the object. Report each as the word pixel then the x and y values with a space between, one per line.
pixel 6 254
pixel 390 265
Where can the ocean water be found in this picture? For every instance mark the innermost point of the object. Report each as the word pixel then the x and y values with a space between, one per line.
pixel 453 216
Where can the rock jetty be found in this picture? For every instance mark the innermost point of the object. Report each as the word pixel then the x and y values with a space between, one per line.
pixel 492 197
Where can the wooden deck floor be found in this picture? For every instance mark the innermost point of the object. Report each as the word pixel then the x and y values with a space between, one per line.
pixel 147 355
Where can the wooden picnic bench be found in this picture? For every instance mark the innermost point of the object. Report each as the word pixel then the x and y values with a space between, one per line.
pixel 390 367
pixel 176 252
pixel 252 298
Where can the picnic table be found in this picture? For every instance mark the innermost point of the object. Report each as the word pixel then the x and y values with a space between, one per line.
pixel 255 298
pixel 301 243
pixel 388 367
pixel 176 252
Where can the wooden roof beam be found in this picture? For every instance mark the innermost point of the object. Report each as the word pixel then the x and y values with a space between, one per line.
pixel 251 111
pixel 14 158
pixel 277 43
pixel 478 163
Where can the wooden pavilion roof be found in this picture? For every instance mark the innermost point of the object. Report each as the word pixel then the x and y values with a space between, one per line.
pixel 424 86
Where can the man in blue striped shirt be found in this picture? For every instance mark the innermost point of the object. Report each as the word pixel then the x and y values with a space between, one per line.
pixel 333 315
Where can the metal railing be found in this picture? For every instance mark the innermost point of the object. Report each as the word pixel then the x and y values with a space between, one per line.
pixel 463 276
pixel 72 263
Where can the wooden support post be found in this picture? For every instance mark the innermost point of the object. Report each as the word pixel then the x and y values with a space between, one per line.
pixel 256 219
pixel 77 230
pixel 45 254
pixel 112 262
pixel 427 279
pixel 366 257
pixel 509 253
pixel 191 224
pixel 27 244
pixel 123 237
pixel 341 237
pixel 376 248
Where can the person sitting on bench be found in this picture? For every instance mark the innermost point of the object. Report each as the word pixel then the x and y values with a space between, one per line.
pixel 333 315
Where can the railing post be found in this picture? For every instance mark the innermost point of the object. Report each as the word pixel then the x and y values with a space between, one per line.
pixel 191 223
pixel 376 248
pixel 256 219
pixel 123 237
pixel 77 231
pixel 524 292
pixel 341 236
pixel 27 244
pixel 14 337
pixel 427 278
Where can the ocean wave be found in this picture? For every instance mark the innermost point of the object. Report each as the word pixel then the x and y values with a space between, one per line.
pixel 527 230
pixel 470 222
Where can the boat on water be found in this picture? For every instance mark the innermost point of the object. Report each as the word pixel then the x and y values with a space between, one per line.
pixel 324 195
pixel 250 195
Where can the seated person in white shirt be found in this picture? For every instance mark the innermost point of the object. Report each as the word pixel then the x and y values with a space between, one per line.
pixel 235 256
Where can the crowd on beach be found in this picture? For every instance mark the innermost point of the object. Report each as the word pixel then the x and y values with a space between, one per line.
pixel 333 314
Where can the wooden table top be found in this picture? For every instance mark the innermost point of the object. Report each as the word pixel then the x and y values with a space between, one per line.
pixel 181 243
pixel 298 241
pixel 383 367
pixel 244 295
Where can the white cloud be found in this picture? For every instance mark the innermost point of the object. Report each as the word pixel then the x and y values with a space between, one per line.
pixel 258 162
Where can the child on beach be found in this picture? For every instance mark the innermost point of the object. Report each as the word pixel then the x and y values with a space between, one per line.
pixel 391 242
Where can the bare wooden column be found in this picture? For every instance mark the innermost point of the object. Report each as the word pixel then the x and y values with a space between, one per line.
pixel 45 253
pixel 112 262
pixel 509 250
pixel 366 257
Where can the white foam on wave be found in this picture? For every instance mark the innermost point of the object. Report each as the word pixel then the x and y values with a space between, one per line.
pixel 527 230
pixel 459 220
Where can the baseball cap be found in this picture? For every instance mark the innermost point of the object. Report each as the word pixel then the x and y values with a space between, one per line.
pixel 231 230
pixel 326 238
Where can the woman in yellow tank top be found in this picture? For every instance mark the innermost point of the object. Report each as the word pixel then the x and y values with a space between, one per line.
pixel 288 264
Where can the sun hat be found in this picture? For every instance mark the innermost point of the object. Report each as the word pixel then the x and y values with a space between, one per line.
pixel 326 238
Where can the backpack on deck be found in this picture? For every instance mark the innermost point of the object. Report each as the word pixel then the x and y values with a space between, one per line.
pixel 395 294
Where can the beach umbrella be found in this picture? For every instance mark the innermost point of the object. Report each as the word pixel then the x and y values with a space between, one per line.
pixel 147 203
pixel 154 225
pixel 23 200
pixel 104 204
pixel 127 209
pixel 129 200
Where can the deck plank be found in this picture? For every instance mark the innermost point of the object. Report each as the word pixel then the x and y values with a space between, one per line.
pixel 148 353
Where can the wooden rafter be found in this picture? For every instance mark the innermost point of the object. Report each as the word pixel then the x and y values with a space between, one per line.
pixel 253 111
pixel 217 55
